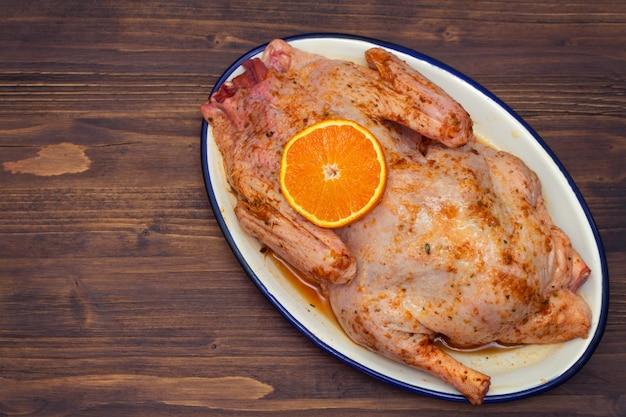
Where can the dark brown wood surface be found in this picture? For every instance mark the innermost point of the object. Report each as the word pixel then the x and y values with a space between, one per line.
pixel 118 292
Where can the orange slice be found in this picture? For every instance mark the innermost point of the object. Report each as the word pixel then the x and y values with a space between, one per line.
pixel 333 172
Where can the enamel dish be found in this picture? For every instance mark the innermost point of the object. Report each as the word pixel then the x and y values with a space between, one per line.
pixel 516 373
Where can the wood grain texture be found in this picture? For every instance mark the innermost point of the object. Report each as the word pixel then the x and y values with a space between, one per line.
pixel 118 292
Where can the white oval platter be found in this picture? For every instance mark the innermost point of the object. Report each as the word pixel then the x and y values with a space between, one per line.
pixel 516 373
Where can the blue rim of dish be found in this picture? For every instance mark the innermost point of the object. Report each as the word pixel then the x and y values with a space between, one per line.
pixel 597 336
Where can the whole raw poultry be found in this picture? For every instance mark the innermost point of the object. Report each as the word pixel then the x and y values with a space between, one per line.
pixel 460 246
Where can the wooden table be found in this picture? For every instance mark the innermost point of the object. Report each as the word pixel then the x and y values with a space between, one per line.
pixel 118 292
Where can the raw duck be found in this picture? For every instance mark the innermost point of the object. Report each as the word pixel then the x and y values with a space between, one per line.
pixel 460 247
